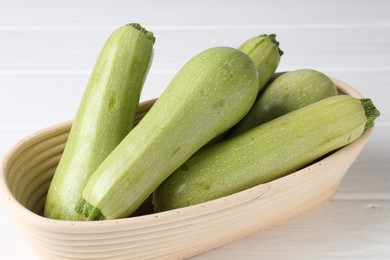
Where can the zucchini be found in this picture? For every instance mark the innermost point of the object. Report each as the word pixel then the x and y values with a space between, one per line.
pixel 286 93
pixel 210 94
pixel 266 152
pixel 265 52
pixel 105 116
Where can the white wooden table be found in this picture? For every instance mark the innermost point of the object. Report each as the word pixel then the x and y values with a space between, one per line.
pixel 48 48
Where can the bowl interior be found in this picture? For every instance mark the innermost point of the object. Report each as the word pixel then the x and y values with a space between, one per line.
pixel 29 166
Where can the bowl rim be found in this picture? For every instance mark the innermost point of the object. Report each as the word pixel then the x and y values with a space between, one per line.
pixel 54 225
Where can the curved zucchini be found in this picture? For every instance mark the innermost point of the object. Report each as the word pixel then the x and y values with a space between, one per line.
pixel 266 152
pixel 211 93
pixel 286 93
pixel 105 116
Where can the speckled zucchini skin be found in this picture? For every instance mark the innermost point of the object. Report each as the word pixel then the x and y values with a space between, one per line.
pixel 105 116
pixel 286 93
pixel 266 152
pixel 265 52
pixel 210 94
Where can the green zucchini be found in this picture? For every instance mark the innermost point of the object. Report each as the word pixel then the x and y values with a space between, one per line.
pixel 286 93
pixel 265 52
pixel 105 116
pixel 266 152
pixel 210 94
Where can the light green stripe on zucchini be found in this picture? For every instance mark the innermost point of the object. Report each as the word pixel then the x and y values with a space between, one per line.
pixel 267 152
pixel 105 116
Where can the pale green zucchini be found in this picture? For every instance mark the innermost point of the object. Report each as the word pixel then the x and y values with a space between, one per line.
pixel 211 93
pixel 266 152
pixel 105 116
pixel 265 52
pixel 286 93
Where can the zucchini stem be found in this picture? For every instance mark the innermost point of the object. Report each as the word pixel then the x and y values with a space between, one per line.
pixel 148 34
pixel 371 112
pixel 88 212
pixel 272 37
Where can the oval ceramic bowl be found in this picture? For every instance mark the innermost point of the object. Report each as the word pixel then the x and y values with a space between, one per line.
pixel 29 165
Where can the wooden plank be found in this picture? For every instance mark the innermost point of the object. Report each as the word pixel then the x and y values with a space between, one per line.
pixel 75 51
pixel 338 230
pixel 44 14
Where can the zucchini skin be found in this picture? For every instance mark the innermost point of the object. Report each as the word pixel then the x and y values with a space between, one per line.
pixel 210 94
pixel 265 52
pixel 264 153
pixel 286 93
pixel 105 116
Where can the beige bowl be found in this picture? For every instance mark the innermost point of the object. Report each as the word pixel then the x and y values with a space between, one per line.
pixel 29 166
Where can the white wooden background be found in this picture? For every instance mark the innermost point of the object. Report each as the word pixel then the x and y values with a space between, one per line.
pixel 48 48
